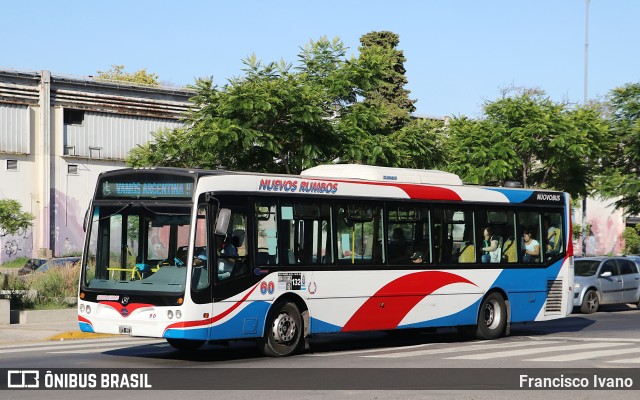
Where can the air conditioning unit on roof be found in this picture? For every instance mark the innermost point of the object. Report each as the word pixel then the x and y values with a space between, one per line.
pixel 383 174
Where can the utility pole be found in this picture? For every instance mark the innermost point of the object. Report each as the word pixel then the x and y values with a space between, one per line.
pixel 586 82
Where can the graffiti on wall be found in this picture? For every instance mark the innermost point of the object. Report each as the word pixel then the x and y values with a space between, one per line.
pixel 606 228
pixel 16 245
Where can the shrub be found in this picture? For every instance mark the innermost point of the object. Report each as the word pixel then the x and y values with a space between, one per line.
pixel 54 288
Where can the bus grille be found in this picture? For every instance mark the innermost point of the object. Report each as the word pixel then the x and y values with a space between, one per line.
pixel 554 297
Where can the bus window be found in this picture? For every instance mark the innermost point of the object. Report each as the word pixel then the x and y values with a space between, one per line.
pixel 232 248
pixel 552 234
pixel 454 239
pixel 266 234
pixel 200 272
pixel 501 245
pixel 305 233
pixel 408 235
pixel 359 234
pixel 530 232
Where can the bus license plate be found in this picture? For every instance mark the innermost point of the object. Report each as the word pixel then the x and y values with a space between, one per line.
pixel 125 330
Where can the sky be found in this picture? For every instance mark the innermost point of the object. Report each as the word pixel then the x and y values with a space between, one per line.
pixel 459 53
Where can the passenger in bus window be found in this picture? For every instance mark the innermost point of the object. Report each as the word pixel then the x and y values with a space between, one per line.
pixel 553 236
pixel 490 247
pixel 398 247
pixel 531 247
pixel 417 257
pixel 228 247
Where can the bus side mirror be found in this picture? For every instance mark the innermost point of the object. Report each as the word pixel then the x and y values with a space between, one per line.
pixel 222 222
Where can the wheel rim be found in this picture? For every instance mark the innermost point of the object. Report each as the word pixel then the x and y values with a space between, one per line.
pixel 592 302
pixel 284 328
pixel 492 314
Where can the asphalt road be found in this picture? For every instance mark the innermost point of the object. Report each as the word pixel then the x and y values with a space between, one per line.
pixel 605 342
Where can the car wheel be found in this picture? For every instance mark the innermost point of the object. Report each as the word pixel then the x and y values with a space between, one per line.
pixel 590 303
pixel 283 331
pixel 185 344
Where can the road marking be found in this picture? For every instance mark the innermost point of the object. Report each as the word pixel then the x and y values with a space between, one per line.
pixel 378 350
pixel 590 339
pixel 587 355
pixel 117 339
pixel 66 346
pixel 626 361
pixel 99 350
pixel 525 352
pixel 458 349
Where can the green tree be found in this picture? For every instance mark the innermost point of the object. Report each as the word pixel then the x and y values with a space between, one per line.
pixel 276 118
pixel 268 120
pixel 117 73
pixel 524 136
pixel 389 93
pixel 631 238
pixel 12 218
pixel 622 176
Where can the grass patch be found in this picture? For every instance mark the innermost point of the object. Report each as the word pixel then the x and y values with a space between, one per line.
pixel 53 289
pixel 15 263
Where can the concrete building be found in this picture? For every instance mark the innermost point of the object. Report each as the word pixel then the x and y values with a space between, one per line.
pixel 57 133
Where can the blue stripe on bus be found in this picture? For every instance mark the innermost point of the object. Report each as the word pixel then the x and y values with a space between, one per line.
pixel 320 326
pixel 514 196
pixel 85 327
pixel 248 323
pixel 465 317
pixel 525 301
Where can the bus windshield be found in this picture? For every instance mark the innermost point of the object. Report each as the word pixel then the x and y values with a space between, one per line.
pixel 138 247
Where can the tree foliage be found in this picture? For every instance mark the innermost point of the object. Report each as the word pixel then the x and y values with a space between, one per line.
pixel 622 176
pixel 525 136
pixel 117 73
pixel 277 118
pixel 12 218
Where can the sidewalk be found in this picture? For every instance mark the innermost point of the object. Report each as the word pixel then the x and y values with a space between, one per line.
pixel 43 331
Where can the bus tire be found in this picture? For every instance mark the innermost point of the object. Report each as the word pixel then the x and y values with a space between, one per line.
pixel 492 318
pixel 283 331
pixel 185 344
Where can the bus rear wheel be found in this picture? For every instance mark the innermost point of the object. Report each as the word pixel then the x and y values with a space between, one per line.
pixel 283 332
pixel 492 319
pixel 185 344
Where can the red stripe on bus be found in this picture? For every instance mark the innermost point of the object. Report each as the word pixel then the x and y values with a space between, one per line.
pixel 389 305
pixel 204 322
pixel 429 192
pixel 83 319
pixel 414 191
pixel 129 307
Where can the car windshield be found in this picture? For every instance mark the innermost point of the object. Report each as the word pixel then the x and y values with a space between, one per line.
pixel 586 267
pixel 138 248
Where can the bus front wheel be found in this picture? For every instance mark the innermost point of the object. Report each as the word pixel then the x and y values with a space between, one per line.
pixel 283 332
pixel 185 344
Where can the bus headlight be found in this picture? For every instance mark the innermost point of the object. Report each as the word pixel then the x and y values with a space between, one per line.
pixel 178 314
pixel 170 314
pixel 81 308
pixel 88 308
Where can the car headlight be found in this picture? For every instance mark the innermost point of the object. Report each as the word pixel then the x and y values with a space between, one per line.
pixel 577 286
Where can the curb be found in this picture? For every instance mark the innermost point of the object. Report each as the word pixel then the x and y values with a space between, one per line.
pixel 74 335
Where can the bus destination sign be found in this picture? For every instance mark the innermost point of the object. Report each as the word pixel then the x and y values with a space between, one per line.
pixel 147 189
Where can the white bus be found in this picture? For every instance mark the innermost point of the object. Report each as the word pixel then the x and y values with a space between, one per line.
pixel 198 256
